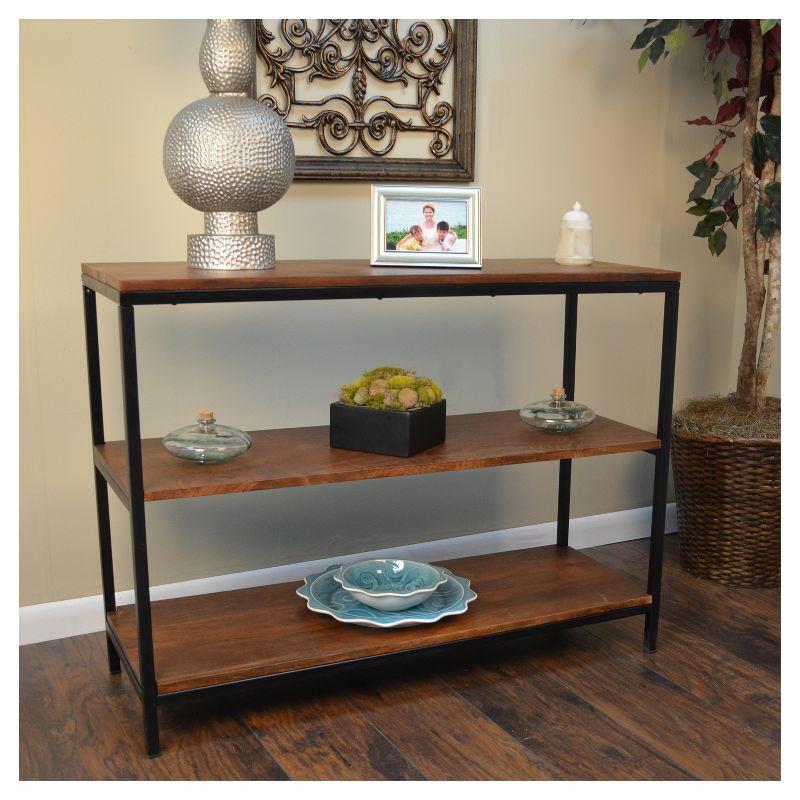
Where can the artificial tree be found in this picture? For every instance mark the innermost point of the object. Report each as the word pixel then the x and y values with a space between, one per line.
pixel 743 58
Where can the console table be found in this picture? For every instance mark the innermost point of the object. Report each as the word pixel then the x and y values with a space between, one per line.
pixel 192 645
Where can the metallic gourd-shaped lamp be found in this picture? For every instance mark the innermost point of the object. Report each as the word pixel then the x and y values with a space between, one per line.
pixel 228 155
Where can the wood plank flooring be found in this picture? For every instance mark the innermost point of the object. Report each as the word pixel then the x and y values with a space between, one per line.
pixel 584 704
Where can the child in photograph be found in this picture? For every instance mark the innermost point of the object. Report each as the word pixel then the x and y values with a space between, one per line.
pixel 412 240
pixel 446 237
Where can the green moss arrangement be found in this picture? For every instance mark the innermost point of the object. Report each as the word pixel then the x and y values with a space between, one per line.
pixel 391 387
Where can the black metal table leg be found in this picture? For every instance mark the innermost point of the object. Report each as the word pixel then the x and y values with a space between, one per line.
pixel 141 577
pixel 565 465
pixel 100 485
pixel 666 390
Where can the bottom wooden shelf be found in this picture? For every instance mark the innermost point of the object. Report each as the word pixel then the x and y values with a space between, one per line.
pixel 213 639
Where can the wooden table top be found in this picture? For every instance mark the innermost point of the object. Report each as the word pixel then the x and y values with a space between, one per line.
pixel 172 276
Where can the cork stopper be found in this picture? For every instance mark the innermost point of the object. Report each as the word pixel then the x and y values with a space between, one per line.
pixel 559 393
pixel 206 415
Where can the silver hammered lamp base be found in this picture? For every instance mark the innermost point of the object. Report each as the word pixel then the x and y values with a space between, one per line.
pixel 207 251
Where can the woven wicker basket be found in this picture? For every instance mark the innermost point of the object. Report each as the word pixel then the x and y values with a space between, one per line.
pixel 729 507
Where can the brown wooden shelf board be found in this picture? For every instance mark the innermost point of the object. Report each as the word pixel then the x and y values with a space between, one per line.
pixel 220 638
pixel 303 456
pixel 172 276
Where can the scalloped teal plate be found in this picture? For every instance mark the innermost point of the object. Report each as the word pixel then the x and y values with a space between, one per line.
pixel 325 596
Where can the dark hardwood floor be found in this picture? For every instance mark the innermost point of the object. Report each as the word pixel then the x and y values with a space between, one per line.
pixel 587 703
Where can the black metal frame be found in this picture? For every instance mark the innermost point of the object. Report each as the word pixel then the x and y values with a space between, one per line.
pixel 145 681
pixel 181 296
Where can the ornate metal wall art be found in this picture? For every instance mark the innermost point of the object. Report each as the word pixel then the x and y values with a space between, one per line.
pixel 358 123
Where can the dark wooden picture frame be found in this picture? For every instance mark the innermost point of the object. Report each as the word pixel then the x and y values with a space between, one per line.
pixel 459 166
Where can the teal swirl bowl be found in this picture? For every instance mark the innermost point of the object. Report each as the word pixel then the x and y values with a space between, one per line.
pixel 389 584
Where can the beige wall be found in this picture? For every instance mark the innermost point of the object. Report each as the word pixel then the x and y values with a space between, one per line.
pixel 562 115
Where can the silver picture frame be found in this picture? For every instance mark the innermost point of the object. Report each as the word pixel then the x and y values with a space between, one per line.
pixel 380 256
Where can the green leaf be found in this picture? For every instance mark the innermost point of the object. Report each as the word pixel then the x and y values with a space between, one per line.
pixel 764 220
pixel 723 71
pixel 771 123
pixel 706 226
pixel 702 207
pixel 759 149
pixel 643 58
pixel 717 241
pixel 699 189
pixel 702 230
pixel 656 49
pixel 724 28
pixel 643 39
pixel 677 39
pixel 700 169
pixel 773 192
pixel 733 216
pixel 665 27
pixel 773 148
pixel 718 87
pixel 768 25
pixel 723 190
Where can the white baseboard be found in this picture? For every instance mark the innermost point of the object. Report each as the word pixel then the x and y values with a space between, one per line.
pixel 58 620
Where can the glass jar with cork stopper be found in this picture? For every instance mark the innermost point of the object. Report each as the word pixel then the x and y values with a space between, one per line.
pixel 557 414
pixel 207 442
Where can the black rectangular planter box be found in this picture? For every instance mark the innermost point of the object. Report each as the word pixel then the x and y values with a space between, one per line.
pixel 390 433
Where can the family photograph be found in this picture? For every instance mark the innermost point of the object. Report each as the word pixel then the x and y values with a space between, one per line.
pixel 426 227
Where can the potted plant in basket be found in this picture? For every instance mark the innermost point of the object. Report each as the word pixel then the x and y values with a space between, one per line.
pixel 727 449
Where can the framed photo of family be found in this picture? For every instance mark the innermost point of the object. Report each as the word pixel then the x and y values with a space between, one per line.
pixel 426 226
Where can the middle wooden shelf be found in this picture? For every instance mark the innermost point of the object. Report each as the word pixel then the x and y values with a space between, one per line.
pixel 303 457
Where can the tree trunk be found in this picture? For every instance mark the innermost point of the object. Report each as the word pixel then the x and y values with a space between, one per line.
pixel 753 270
pixel 769 335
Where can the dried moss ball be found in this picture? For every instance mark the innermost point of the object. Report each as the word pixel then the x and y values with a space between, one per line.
pixel 407 398
pixel 390 398
pixel 378 387
pixel 385 372
pixel 360 395
pixel 402 381
pixel 346 393
pixel 391 387
pixel 426 395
